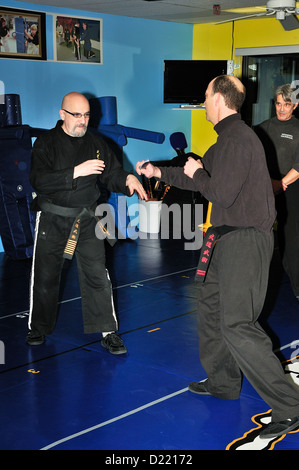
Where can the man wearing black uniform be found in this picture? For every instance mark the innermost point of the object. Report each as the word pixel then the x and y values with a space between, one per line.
pixel 231 292
pixel 280 137
pixel 76 40
pixel 67 163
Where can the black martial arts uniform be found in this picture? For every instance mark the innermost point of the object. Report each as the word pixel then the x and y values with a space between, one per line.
pixel 54 156
pixel 236 180
pixel 281 144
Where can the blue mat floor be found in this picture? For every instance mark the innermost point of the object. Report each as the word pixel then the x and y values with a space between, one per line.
pixel 71 394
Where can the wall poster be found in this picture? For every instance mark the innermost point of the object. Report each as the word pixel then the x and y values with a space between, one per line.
pixel 77 40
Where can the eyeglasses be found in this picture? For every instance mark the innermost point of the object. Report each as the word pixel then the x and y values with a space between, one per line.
pixel 78 115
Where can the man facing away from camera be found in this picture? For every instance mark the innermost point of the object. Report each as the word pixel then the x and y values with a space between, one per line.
pixel 232 287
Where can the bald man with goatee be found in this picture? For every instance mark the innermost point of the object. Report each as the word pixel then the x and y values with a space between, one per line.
pixel 232 274
pixel 67 164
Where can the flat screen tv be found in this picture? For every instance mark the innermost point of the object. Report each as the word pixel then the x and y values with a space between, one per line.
pixel 185 81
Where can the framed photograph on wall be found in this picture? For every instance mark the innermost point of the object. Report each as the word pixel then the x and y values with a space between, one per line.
pixel 22 34
pixel 77 40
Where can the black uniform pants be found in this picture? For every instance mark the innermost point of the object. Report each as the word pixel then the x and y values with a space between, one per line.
pixel 230 338
pixel 288 233
pixel 52 232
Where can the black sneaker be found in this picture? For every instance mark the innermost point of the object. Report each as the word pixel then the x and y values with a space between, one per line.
pixel 279 428
pixel 34 340
pixel 114 344
pixel 199 388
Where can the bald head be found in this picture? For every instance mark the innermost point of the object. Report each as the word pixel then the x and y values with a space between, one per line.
pixel 236 82
pixel 74 99
pixel 232 90
pixel 75 114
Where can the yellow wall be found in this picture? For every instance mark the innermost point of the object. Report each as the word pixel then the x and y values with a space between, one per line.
pixel 263 33
pixel 218 42
pixel 209 42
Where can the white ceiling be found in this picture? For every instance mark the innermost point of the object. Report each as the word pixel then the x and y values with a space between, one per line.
pixel 179 11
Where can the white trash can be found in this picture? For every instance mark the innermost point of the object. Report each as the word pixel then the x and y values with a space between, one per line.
pixel 149 216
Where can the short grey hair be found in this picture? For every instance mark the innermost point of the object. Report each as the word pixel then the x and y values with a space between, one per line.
pixel 286 91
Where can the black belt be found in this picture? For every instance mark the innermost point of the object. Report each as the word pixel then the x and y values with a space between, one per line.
pixel 211 236
pixel 78 213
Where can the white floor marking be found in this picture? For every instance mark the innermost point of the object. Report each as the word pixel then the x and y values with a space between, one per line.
pixel 117 418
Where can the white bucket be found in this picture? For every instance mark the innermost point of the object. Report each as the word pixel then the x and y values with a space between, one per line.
pixel 149 216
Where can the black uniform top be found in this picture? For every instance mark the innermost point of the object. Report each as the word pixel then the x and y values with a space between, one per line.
pixel 235 178
pixel 54 156
pixel 34 39
pixel 281 143
pixel 3 31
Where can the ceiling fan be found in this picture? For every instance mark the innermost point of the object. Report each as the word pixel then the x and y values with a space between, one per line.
pixel 284 10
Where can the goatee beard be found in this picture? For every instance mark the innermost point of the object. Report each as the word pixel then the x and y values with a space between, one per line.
pixel 81 132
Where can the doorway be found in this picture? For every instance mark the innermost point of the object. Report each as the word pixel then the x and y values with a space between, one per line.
pixel 261 75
